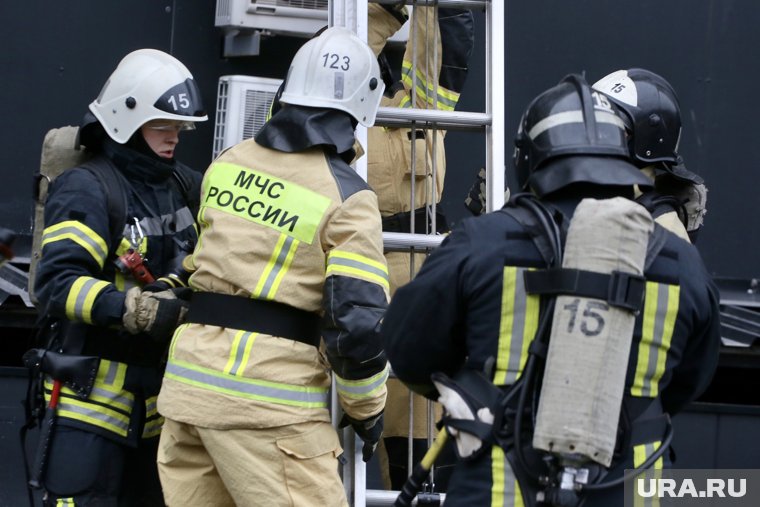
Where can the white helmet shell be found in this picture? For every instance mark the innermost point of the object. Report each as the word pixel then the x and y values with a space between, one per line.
pixel 147 85
pixel 336 70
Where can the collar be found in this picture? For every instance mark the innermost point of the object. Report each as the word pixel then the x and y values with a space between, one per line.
pixel 297 128
pixel 135 165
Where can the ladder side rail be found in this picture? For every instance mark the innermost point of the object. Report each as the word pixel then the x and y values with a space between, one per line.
pixel 495 130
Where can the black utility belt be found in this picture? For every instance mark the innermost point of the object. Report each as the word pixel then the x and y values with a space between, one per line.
pixel 401 222
pixel 254 315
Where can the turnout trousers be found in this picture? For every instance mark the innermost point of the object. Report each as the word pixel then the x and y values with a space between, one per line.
pixel 294 465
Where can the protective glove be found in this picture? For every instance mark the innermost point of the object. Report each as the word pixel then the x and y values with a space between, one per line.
pixel 468 403
pixel 370 430
pixel 155 313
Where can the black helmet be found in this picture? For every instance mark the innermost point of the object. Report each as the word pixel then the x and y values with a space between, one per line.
pixel 653 114
pixel 583 135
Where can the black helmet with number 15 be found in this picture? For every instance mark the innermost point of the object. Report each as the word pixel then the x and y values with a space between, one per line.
pixel 581 132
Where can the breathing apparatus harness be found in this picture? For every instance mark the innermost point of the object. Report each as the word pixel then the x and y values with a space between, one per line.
pixel 479 414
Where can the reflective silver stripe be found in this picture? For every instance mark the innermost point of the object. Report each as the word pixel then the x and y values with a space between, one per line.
pixel 74 231
pixel 360 389
pixel 340 261
pixel 79 304
pixel 648 389
pixel 151 406
pixel 127 402
pixel 110 376
pixel 92 413
pixel 278 264
pixel 567 117
pixel 158 226
pixel 518 328
pixel 504 481
pixel 240 353
pixel 248 388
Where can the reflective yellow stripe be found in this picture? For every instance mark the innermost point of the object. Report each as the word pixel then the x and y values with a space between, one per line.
pixel 65 502
pixel 264 199
pixel 505 491
pixel 79 234
pixel 406 102
pixel 497 473
pixel 660 310
pixel 240 352
pixel 446 99
pixel 96 415
pixel 358 266
pixel 640 455
pixel 278 265
pixel 81 298
pixel 517 327
pixel 153 427
pixel 365 388
pixel 247 388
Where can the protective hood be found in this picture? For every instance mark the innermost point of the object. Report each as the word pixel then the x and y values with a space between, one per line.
pixel 297 128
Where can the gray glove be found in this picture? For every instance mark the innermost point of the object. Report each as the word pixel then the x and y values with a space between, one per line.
pixel 155 313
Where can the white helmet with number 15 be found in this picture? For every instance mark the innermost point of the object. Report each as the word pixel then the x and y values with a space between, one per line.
pixel 147 85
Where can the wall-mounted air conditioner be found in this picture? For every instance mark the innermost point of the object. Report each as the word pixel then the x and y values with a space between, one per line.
pixel 242 105
pixel 244 20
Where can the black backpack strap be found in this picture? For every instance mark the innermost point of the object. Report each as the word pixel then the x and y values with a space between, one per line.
pixel 184 183
pixel 656 241
pixel 538 221
pixel 115 187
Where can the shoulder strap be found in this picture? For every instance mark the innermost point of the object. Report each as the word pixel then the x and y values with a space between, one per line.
pixel 656 241
pixel 184 184
pixel 115 188
pixel 537 220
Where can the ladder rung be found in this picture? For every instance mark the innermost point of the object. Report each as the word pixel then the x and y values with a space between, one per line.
pixel 432 118
pixel 441 3
pixel 402 241
pixel 382 498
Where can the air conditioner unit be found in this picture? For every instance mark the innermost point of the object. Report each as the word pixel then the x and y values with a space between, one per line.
pixel 242 105
pixel 300 18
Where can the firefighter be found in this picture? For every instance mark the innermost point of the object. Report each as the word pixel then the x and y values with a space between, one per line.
pixel 469 313
pixel 653 122
pixel 290 286
pixel 89 282
pixel 438 50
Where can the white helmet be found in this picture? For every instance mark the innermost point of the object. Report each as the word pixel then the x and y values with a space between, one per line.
pixel 147 85
pixel 336 70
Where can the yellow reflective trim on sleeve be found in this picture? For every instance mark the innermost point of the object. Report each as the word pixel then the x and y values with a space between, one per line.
pixel 65 502
pixel 358 258
pixel 81 298
pixel 80 234
pixel 364 388
pixel 340 262
pixel 674 292
pixel 517 326
pixel 660 310
pixel 505 325
pixel 431 93
pixel 264 199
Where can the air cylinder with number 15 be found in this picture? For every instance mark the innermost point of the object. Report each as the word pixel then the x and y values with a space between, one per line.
pixel 585 372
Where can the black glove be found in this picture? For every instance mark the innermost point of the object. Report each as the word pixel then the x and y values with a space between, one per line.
pixel 369 430
pixel 157 286
pixel 155 313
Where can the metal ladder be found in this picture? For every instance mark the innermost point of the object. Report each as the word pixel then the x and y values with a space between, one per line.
pixel 353 14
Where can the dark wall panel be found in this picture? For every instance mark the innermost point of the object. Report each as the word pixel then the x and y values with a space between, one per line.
pixel 56 55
